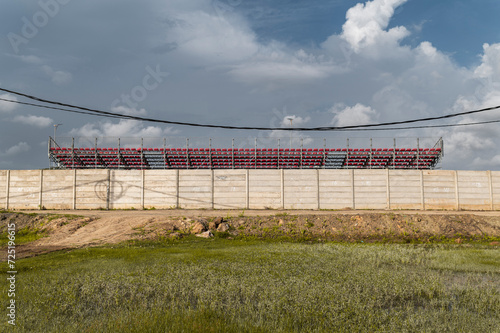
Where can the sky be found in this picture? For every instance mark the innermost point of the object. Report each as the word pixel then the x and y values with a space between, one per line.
pixel 251 63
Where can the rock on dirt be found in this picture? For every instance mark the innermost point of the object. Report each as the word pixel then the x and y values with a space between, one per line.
pixel 206 234
pixel 223 227
pixel 198 228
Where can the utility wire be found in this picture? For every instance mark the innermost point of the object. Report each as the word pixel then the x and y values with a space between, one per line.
pixel 331 128
pixel 56 108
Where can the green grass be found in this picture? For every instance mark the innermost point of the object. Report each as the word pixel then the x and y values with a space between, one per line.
pixel 198 285
pixel 23 236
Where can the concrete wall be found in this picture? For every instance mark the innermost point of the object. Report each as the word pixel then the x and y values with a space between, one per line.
pixel 265 189
pixel 405 189
pixel 160 189
pixel 495 189
pixel 3 188
pixel 336 189
pixel 250 189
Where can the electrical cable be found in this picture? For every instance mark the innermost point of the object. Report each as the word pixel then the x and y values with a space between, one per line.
pixel 331 128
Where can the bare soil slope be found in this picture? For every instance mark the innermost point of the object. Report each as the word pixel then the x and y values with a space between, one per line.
pixel 90 228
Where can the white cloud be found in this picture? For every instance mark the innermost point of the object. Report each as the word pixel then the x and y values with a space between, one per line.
pixel 365 27
pixel 358 114
pixel 212 39
pixel 21 147
pixel 129 111
pixel 124 128
pixel 490 66
pixel 8 106
pixel 58 77
pixel 31 120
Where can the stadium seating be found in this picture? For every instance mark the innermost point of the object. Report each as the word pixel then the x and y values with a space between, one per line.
pixel 204 158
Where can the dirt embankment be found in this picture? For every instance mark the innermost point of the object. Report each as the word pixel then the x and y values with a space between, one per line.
pixel 90 228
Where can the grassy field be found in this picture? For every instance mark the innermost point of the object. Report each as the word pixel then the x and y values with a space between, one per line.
pixel 221 285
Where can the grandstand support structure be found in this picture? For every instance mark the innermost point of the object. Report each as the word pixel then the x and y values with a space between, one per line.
pixel 161 156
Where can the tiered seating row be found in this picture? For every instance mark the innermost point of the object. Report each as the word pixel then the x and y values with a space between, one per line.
pixel 204 158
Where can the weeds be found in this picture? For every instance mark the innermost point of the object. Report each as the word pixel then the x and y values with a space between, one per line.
pixel 256 286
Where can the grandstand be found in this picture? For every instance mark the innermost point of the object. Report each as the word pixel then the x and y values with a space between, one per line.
pixel 144 158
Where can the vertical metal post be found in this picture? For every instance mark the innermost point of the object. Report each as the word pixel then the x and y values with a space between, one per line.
pixel 73 153
pixel 50 152
pixel 255 153
pixel 165 158
pixel 142 154
pixel 119 155
pixel 279 151
pixel 187 152
pixel 394 155
pixel 324 153
pixel 232 153
pixel 210 152
pixel 301 149
pixel 371 150
pixel 347 161
pixel 96 156
pixel 418 153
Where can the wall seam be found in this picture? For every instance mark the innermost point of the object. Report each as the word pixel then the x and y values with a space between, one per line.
pixel 490 179
pixel 40 194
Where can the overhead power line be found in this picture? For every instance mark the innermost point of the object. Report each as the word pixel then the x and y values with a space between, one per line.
pixel 89 111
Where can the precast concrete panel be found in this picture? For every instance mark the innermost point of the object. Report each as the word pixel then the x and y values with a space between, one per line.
pixel 24 189
pixel 230 189
pixel 58 189
pixel 405 189
pixel 196 189
pixel 160 189
pixel 474 190
pixel 265 190
pixel 440 189
pixel 335 190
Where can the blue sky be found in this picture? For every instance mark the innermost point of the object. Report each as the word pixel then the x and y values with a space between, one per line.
pixel 251 62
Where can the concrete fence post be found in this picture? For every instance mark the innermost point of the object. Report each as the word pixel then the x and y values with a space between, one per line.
pixel 177 180
pixel 7 190
pixel 456 191
pixel 108 190
pixel 74 189
pixel 422 189
pixel 318 194
pixel 282 188
pixel 247 189
pixel 352 189
pixel 40 193
pixel 142 189
pixel 388 190
pixel 490 180
pixel 213 189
